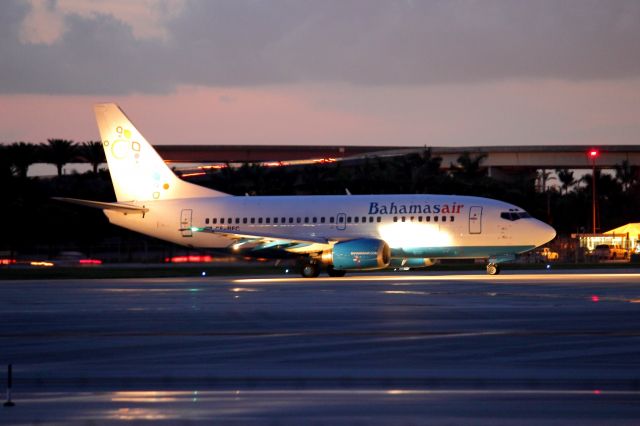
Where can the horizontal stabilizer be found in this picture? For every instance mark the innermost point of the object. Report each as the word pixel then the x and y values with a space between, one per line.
pixel 119 207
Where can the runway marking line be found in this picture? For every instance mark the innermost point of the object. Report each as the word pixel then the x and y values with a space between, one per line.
pixel 161 396
pixel 499 278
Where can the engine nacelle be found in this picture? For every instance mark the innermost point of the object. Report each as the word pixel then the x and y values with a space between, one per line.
pixel 361 254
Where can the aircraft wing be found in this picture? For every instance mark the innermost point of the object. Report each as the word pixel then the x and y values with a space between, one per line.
pixel 260 236
pixel 264 240
pixel 119 207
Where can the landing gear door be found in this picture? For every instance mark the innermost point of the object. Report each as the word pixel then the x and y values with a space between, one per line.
pixel 475 220
pixel 341 221
pixel 185 222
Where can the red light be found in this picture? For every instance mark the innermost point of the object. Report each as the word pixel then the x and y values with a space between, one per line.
pixel 595 298
pixel 593 153
pixel 90 262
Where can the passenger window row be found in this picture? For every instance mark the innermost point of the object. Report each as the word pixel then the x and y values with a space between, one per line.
pixel 423 218
pixel 289 220
pixel 357 219
pixel 315 220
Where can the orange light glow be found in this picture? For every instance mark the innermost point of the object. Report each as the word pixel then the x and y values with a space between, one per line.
pixel 47 264
pixel 193 174
pixel 213 166
pixel 325 160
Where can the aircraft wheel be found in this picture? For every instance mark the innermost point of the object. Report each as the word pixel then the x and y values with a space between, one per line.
pixel 332 272
pixel 310 270
pixel 493 269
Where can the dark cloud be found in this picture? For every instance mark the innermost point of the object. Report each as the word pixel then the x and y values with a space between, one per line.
pixel 367 42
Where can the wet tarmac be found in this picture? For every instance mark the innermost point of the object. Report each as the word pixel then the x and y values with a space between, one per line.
pixel 401 348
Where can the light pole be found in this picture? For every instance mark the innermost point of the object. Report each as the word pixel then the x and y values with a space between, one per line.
pixel 593 154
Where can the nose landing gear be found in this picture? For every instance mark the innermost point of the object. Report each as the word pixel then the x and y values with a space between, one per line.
pixel 493 269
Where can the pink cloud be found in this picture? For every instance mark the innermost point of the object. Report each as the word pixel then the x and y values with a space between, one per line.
pixel 45 20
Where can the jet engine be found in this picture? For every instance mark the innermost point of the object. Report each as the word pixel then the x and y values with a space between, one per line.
pixel 360 255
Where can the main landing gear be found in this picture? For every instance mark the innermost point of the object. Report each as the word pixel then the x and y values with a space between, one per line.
pixel 311 269
pixel 493 269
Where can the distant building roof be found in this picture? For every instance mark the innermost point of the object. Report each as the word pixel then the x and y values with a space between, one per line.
pixel 633 229
pixel 535 156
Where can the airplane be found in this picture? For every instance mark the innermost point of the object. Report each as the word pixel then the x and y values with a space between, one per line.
pixel 334 233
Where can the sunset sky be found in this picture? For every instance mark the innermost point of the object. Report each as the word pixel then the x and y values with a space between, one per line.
pixel 437 73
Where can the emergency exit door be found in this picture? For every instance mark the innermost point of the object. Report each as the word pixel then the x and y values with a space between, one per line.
pixel 475 220
pixel 185 222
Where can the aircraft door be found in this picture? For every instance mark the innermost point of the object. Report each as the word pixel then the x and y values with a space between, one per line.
pixel 475 220
pixel 341 221
pixel 185 222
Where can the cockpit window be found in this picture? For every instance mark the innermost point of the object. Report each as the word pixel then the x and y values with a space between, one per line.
pixel 514 215
pixel 506 215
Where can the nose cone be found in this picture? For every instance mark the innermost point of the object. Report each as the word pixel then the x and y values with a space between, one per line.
pixel 543 233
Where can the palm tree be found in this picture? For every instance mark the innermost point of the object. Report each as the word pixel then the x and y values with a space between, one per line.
pixel 468 167
pixel 430 163
pixel 21 156
pixel 93 153
pixel 566 178
pixel 626 174
pixel 543 177
pixel 6 169
pixel 59 152
pixel 423 169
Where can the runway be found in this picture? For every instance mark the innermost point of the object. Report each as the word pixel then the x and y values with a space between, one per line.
pixel 400 348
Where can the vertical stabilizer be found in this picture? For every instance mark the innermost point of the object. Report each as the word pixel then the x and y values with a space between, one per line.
pixel 137 171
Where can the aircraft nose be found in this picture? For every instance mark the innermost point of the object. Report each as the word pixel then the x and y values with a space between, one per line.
pixel 544 232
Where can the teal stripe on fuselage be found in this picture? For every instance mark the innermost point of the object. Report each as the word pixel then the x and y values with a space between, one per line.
pixel 459 252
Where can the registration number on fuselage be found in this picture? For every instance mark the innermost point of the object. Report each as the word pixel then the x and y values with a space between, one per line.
pixel 226 228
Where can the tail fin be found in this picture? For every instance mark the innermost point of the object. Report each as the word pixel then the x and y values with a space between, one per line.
pixel 137 171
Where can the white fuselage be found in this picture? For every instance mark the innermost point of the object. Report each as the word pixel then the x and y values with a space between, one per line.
pixel 348 232
pixel 414 226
